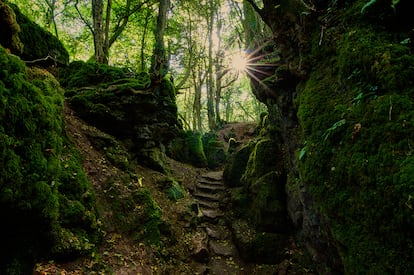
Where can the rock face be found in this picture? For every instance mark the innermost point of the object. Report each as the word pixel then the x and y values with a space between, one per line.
pixel 41 48
pixel 144 117
pixel 339 104
pixel 28 40
pixel 9 33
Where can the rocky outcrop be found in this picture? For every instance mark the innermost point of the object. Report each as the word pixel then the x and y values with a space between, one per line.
pixel 9 33
pixel 338 105
pixel 142 116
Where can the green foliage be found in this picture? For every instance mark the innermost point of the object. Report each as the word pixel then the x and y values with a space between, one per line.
pixel 175 191
pixel 332 129
pixel 361 171
pixel 39 170
pixel 372 2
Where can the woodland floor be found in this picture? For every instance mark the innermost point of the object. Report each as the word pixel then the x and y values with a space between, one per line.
pixel 121 254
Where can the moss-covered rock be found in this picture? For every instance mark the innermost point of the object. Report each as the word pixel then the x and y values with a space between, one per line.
pixel 126 106
pixel 45 197
pixel 9 33
pixel 236 165
pixel 256 246
pixel 356 170
pixel 39 43
pixel 214 150
pixel 134 212
pixel 188 148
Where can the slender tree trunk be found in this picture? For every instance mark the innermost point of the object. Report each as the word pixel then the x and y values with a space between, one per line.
pixel 210 79
pixel 219 73
pixel 51 16
pixel 159 65
pixel 198 81
pixel 143 39
pixel 98 30
pixel 106 45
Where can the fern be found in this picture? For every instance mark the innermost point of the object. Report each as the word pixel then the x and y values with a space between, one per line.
pixel 370 3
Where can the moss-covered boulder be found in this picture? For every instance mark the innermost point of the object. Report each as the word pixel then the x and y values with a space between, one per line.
pixel 258 246
pixel 39 44
pixel 46 199
pixel 188 147
pixel 214 150
pixel 9 32
pixel 236 165
pixel 127 106
pixel 351 174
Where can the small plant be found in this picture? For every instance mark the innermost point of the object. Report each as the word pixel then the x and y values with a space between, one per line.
pixel 335 126
pixel 175 192
pixel 372 2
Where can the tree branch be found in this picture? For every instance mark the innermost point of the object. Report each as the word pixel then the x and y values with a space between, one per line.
pixel 87 23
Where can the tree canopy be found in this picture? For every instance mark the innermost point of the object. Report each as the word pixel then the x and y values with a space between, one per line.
pixel 201 44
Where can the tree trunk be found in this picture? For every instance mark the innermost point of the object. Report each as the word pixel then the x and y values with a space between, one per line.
pixel 106 45
pixel 98 30
pixel 143 39
pixel 198 83
pixel 159 65
pixel 210 79
pixel 219 73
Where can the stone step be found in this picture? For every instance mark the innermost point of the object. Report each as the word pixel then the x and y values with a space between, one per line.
pixel 207 196
pixel 222 265
pixel 223 248
pixel 209 204
pixel 212 213
pixel 218 232
pixel 214 175
pixel 209 188
pixel 211 182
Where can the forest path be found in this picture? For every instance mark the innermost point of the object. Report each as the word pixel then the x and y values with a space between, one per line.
pixel 211 197
pixel 206 248
pixel 213 243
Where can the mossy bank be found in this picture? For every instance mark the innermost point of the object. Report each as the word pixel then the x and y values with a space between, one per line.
pixel 47 201
pixel 345 119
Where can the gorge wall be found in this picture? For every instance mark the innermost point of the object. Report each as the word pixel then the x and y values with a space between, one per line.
pixel 340 103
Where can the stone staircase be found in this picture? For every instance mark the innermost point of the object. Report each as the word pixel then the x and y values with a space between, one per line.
pixel 220 253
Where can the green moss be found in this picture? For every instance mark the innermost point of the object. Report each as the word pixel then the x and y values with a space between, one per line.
pixel 38 167
pixel 361 172
pixel 175 191
pixel 39 43
pixel 189 148
pixel 236 165
pixel 87 74
pixel 135 213
pixel 214 150
pixel 262 160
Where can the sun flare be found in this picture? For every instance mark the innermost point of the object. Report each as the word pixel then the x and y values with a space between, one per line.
pixel 239 62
